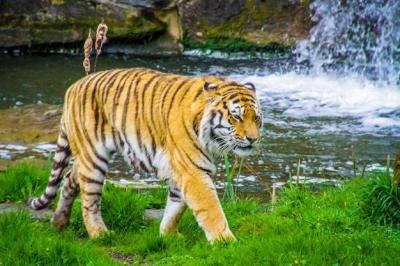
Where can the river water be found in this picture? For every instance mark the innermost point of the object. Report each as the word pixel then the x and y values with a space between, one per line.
pixel 314 118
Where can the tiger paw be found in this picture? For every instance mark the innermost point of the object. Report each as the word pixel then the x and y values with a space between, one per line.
pixel 61 220
pixel 97 231
pixel 224 237
pixel 172 232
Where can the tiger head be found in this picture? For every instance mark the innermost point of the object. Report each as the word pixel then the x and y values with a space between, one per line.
pixel 233 118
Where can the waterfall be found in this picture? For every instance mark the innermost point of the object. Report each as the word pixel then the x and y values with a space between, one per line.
pixel 354 37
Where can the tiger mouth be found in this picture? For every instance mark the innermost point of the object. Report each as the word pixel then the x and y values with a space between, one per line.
pixel 244 151
pixel 245 148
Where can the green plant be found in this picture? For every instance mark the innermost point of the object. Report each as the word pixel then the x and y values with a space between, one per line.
pixel 20 181
pixel 229 193
pixel 383 198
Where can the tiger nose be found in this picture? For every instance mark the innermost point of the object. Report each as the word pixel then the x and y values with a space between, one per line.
pixel 251 139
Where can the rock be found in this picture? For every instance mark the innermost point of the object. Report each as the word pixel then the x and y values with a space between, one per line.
pixel 52 113
pixel 14 207
pixel 258 22
pixel 30 124
pixel 154 26
pixel 153 214
pixel 37 22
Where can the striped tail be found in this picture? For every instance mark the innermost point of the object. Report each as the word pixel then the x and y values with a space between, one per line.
pixel 60 161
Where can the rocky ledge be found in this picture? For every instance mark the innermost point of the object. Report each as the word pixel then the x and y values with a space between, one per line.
pixel 161 24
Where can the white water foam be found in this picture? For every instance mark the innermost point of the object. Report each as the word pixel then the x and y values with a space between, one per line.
pixel 300 96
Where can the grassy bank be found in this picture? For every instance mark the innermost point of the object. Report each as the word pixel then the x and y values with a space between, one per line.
pixel 337 226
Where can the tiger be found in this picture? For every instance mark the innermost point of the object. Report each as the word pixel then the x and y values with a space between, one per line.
pixel 173 125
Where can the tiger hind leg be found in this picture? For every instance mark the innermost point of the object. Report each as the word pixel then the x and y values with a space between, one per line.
pixel 173 211
pixel 69 192
pixel 91 183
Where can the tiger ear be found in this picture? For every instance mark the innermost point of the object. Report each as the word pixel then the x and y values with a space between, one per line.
pixel 250 86
pixel 208 86
pixel 208 90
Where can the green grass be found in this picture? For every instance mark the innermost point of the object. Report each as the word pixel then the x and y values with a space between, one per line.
pixel 332 227
pixel 24 241
pixel 382 203
pixel 22 180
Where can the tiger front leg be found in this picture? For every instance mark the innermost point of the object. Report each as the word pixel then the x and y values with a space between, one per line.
pixel 201 196
pixel 173 210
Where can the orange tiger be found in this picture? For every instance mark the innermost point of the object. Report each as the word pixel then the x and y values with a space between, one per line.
pixel 173 125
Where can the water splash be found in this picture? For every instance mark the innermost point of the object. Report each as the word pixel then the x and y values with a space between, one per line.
pixel 361 37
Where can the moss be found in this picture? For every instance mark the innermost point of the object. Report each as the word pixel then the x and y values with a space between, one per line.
pixel 235 27
pixel 233 45
pixel 57 2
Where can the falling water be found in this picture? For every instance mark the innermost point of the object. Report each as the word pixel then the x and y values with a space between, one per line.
pixel 355 37
pixel 352 69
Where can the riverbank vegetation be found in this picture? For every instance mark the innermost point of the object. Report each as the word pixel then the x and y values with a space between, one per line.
pixel 343 225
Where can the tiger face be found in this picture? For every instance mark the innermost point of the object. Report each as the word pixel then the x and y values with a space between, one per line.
pixel 235 119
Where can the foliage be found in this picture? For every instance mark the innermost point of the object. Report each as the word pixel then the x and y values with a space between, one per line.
pixel 122 210
pixel 328 227
pixel 382 199
pixel 22 180
pixel 24 241
pixel 229 193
